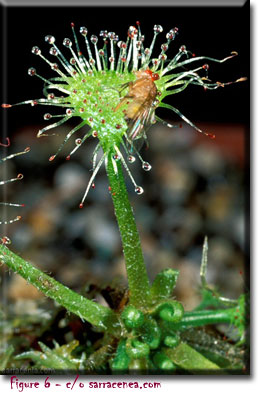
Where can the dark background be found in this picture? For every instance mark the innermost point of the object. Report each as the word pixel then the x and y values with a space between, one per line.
pixel 197 186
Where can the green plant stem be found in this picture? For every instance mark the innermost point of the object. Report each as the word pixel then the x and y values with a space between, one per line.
pixel 206 317
pixel 136 271
pixel 94 313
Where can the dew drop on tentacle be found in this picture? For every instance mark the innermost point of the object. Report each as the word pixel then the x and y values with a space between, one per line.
pixel 78 141
pixel 162 57
pixel 83 30
pixel 158 28
pixel 36 50
pixel 139 190
pixel 112 36
pixel 103 33
pixel 164 47
pixel 155 62
pixel 55 66
pixel 69 111
pixel 171 34
pixel 67 43
pixel 50 39
pixel 53 51
pixel 131 159
pixel 47 116
pixel 146 166
pixel 94 39
pixel 31 71
pixel 121 44
pixel 51 96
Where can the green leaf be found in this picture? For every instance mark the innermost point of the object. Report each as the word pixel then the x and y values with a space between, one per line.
pixel 59 358
pixel 164 284
pixel 189 359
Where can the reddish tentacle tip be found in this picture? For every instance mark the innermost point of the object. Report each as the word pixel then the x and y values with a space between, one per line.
pixel 242 79
pixel 93 186
pixel 22 205
pixel 68 157
pixel 19 176
pixel 138 23
pixel 51 158
pixel 18 217
pixel 8 143
pixel 72 24
pixel 6 105
pixel 211 136
pixel 81 205
pixel 180 125
pixel 27 149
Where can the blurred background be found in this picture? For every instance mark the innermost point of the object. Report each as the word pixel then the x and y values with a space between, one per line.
pixel 197 186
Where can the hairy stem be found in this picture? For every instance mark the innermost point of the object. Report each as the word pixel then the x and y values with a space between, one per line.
pixel 136 271
pixel 94 313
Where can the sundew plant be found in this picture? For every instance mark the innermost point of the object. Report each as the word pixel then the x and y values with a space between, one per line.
pixel 115 87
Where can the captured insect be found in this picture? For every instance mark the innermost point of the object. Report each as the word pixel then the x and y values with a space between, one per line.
pixel 141 100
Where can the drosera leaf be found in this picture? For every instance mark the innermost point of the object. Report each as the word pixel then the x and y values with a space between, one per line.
pixel 66 349
pixel 59 358
pixel 164 284
pixel 121 359
pixel 189 359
